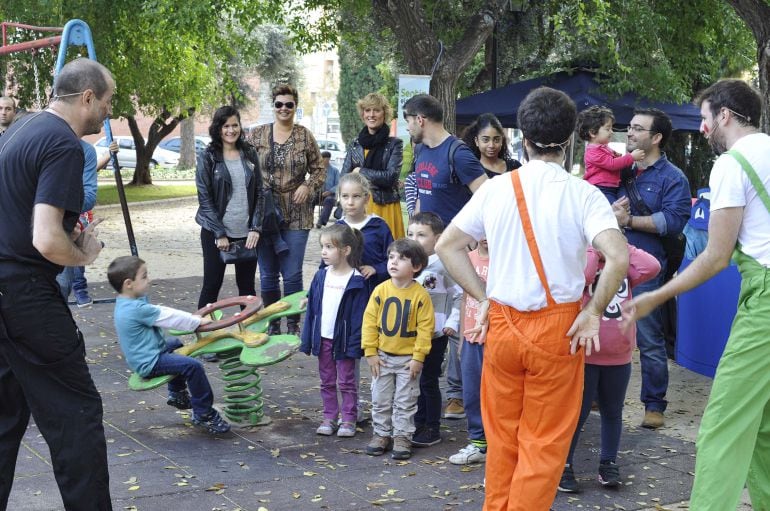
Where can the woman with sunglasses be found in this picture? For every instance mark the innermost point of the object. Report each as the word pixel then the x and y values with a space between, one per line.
pixel 377 156
pixel 287 153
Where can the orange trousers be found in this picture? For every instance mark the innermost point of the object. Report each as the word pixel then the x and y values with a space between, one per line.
pixel 531 392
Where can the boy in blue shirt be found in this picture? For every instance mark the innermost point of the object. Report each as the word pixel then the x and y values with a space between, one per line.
pixel 148 353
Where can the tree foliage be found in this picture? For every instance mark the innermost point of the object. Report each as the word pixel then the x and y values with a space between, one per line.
pixel 169 57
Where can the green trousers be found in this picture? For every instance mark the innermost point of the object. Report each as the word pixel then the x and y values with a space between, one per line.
pixel 733 446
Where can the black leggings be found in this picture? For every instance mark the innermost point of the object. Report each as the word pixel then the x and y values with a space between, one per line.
pixel 214 271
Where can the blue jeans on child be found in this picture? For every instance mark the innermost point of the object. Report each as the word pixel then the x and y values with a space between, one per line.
pixel 429 402
pixel 73 278
pixel 607 384
pixel 191 376
pixel 471 361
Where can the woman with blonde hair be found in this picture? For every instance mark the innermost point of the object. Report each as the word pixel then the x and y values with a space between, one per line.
pixel 377 156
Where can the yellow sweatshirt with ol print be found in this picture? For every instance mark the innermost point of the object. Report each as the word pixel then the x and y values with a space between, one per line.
pixel 398 321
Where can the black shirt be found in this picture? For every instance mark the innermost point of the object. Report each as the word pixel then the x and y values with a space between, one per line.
pixel 41 162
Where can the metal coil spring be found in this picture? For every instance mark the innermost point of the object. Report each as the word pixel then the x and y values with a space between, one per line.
pixel 243 390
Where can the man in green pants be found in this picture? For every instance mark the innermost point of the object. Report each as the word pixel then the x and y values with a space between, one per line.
pixel 733 445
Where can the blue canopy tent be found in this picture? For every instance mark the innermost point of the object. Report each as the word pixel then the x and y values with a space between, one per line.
pixel 583 88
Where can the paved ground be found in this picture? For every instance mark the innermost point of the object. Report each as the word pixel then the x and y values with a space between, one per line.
pixel 158 461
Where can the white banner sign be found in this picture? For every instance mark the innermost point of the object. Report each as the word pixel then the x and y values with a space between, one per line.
pixel 408 86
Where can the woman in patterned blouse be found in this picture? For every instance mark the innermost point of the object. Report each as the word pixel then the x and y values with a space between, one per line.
pixel 293 172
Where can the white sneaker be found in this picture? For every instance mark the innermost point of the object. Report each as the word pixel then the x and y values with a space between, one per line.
pixel 467 455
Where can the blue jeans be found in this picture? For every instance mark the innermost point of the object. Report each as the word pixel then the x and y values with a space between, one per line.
pixel 454 375
pixel 652 351
pixel 606 384
pixel 471 361
pixel 190 373
pixel 73 278
pixel 429 402
pixel 288 265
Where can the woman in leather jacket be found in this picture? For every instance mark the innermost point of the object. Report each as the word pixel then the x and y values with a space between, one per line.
pixel 378 156
pixel 230 203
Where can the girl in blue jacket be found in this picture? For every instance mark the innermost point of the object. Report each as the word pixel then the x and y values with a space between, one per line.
pixel 335 309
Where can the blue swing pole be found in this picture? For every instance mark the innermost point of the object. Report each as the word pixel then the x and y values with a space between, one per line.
pixel 77 33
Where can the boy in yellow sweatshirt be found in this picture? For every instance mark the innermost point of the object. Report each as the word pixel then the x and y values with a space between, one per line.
pixel 396 338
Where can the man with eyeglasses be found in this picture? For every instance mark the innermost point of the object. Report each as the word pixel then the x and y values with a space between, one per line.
pixel 447 174
pixel 665 194
pixel 734 437
pixel 43 371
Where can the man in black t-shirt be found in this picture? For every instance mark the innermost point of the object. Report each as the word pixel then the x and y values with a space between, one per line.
pixel 43 371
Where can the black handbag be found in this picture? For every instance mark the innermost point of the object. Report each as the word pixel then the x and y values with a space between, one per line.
pixel 673 246
pixel 238 253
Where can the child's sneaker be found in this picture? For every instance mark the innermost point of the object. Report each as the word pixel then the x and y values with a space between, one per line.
pixel 179 400
pixel 327 428
pixel 471 453
pixel 402 448
pixel 347 429
pixel 609 475
pixel 379 445
pixel 426 436
pixel 212 423
pixel 83 300
pixel 568 483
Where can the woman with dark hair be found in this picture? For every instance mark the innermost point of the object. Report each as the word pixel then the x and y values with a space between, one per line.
pixel 486 138
pixel 377 156
pixel 230 203
pixel 287 154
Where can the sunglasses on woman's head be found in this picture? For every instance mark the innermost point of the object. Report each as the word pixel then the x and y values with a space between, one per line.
pixel 281 104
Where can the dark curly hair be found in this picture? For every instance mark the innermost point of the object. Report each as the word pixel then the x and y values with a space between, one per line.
pixel 481 123
pixel 736 95
pixel 411 250
pixel 547 117
pixel 215 128
pixel 591 119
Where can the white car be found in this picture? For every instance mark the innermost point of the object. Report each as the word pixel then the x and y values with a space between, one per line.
pixel 127 153
pixel 337 150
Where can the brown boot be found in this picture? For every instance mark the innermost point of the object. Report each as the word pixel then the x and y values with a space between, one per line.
pixel 379 445
pixel 653 419
pixel 402 448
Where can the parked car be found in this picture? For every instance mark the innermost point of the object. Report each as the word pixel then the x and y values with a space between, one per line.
pixel 337 150
pixel 127 153
pixel 175 144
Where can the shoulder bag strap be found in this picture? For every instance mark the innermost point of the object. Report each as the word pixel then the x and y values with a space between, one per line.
pixel 629 180
pixel 753 177
pixel 521 204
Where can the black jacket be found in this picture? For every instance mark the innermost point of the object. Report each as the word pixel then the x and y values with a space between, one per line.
pixel 384 183
pixel 215 190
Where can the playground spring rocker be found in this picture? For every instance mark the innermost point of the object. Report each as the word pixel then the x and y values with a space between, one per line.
pixel 241 350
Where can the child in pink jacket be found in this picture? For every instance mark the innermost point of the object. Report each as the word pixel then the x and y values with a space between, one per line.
pixel 603 165
pixel 608 370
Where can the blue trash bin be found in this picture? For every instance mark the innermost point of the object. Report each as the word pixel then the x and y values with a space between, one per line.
pixel 704 319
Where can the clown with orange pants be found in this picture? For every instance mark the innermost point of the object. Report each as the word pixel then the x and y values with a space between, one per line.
pixel 533 366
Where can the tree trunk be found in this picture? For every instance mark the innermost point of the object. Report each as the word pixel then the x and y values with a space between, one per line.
pixel 187 146
pixel 159 129
pixel 756 15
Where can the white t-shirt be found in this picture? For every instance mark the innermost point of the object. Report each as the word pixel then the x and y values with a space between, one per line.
pixel 731 187
pixel 334 288
pixel 566 214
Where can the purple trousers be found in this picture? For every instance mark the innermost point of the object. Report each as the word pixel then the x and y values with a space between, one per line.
pixel 337 374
